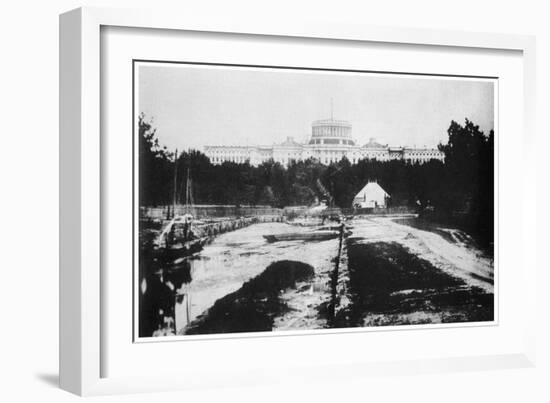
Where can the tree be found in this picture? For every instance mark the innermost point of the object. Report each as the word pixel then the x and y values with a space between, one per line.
pixel 468 185
pixel 155 166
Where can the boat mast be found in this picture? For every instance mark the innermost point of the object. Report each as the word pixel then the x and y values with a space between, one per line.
pixel 187 189
pixel 189 192
pixel 175 183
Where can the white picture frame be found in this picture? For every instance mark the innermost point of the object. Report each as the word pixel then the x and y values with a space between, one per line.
pixel 82 305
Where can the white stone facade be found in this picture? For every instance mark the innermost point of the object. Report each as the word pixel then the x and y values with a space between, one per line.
pixel 330 141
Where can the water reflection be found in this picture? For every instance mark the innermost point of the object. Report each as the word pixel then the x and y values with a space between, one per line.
pixel 159 295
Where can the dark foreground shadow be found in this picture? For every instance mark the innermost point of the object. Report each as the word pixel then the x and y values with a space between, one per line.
pixel 254 306
pixel 49 379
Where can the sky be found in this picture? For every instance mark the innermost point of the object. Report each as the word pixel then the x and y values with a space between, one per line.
pixel 192 106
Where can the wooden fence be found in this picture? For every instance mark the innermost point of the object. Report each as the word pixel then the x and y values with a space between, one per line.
pixel 204 211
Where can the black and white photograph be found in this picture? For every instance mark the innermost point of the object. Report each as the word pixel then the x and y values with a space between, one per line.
pixel 273 199
pixel 253 202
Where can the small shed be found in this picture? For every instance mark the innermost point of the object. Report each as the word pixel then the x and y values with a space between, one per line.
pixel 371 196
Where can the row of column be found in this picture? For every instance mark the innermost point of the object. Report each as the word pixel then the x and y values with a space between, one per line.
pixel 339 131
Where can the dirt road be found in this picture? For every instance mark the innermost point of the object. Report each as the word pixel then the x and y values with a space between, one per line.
pixel 455 254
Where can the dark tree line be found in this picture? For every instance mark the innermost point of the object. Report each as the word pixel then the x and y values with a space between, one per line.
pixel 461 189
pixel 468 178
pixel 155 167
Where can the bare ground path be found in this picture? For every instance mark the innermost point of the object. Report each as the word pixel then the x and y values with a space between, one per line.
pixel 459 259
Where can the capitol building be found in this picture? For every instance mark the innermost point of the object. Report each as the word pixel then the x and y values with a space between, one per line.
pixel 330 141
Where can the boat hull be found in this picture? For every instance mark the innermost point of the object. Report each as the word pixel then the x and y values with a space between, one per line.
pixel 178 251
pixel 302 236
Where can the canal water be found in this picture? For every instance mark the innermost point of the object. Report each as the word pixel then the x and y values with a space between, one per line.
pixel 235 257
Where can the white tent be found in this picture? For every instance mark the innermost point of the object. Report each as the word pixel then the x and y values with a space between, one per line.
pixel 372 195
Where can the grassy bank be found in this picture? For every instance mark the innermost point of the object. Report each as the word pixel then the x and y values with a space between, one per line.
pixel 465 234
pixel 481 229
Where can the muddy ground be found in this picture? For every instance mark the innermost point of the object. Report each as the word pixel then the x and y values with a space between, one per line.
pixel 255 305
pixel 389 272
pixel 388 285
